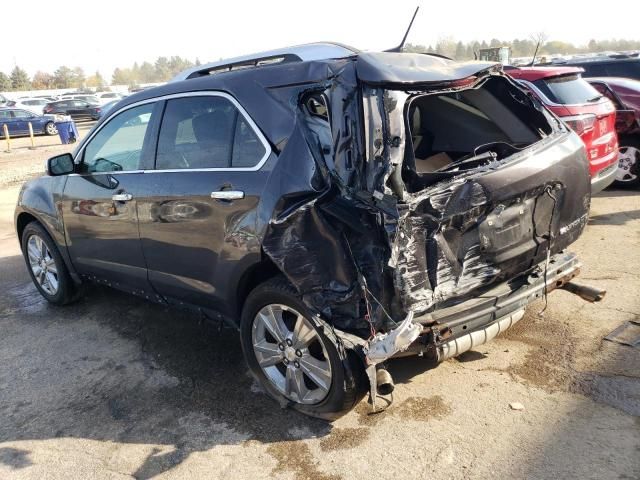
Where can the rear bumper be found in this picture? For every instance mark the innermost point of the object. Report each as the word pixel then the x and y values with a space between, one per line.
pixel 604 177
pixel 453 330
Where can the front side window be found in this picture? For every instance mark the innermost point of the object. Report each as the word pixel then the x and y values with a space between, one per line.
pixel 22 114
pixel 206 132
pixel 118 145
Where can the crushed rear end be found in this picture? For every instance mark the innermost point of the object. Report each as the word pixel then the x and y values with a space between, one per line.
pixel 444 199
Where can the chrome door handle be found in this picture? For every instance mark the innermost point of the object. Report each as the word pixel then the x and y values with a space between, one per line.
pixel 228 195
pixel 121 197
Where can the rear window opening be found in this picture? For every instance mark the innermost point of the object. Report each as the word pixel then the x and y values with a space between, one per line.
pixel 568 90
pixel 453 132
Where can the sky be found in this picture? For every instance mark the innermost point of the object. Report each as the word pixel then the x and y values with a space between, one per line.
pixel 105 34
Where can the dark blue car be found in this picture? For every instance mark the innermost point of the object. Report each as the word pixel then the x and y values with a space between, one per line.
pixel 17 121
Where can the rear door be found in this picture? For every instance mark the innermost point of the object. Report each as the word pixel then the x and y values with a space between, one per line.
pixel 100 201
pixel 197 209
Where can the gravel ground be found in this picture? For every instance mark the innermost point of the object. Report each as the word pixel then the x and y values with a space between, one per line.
pixel 113 387
pixel 23 163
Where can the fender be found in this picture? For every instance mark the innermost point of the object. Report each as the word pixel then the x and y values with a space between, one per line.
pixel 41 198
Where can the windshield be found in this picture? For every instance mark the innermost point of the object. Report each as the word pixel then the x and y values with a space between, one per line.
pixel 567 89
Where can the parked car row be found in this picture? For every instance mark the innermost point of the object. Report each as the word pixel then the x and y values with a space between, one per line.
pixel 604 111
pixel 38 103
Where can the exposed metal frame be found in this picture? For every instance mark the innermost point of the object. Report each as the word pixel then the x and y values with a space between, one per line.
pixel 77 156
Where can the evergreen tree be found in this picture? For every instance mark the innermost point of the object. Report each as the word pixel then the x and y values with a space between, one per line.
pixel 20 79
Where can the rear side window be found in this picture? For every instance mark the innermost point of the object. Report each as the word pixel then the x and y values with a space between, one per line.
pixel 206 132
pixel 567 89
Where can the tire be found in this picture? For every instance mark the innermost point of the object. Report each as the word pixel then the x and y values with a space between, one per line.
pixel 50 129
pixel 65 291
pixel 345 387
pixel 628 174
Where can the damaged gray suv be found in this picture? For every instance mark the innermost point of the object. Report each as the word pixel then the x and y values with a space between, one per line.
pixel 338 208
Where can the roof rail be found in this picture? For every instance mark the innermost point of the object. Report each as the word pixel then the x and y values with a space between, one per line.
pixel 297 53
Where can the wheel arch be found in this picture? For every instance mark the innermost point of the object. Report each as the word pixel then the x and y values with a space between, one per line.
pixel 24 218
pixel 252 277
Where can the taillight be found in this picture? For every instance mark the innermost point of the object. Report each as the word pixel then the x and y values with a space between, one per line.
pixel 580 123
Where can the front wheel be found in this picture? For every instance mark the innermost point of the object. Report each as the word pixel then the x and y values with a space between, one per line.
pixel 292 355
pixel 46 267
pixel 50 128
pixel 628 173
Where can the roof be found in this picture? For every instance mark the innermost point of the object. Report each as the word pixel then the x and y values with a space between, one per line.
pixel 532 74
pixel 416 68
pixel 299 53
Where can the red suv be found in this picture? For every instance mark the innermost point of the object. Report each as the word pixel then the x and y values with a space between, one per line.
pixel 584 109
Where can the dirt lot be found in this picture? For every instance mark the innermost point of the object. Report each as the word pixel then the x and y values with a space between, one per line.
pixel 113 387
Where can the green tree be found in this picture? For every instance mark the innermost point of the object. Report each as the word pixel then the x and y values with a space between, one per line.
pixel 147 73
pixel 20 79
pixel 5 82
pixel 461 52
pixel 121 76
pixel 163 72
pixel 63 77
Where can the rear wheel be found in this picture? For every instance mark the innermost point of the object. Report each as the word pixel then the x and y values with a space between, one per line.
pixel 293 356
pixel 46 267
pixel 628 173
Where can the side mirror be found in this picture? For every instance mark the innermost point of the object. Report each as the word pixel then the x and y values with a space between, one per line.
pixel 60 165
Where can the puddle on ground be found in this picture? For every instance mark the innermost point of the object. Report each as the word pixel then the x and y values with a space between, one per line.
pixel 24 298
pixel 421 409
pixel 343 438
pixel 296 457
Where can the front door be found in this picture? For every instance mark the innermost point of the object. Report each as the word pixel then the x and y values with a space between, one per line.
pixel 197 208
pixel 22 119
pixel 99 202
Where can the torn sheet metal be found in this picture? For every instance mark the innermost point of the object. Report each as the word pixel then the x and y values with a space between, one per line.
pixel 352 206
pixel 385 345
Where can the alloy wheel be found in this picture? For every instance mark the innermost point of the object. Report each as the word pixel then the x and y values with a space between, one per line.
pixel 43 265
pixel 291 354
pixel 628 162
pixel 51 129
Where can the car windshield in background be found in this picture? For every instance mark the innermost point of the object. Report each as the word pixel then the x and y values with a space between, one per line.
pixel 567 89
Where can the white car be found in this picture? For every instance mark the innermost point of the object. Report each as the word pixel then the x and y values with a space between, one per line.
pixel 32 104
pixel 106 97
